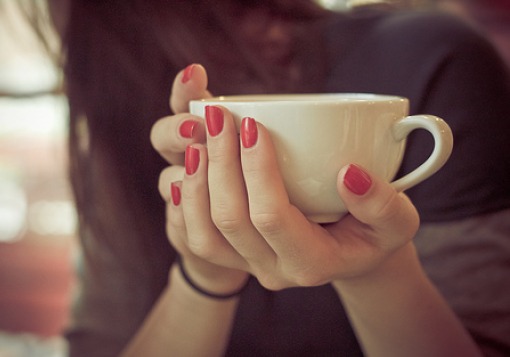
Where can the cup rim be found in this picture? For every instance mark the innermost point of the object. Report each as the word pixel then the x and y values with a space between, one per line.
pixel 303 98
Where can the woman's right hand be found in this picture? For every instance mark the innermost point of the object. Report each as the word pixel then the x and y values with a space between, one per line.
pixel 170 136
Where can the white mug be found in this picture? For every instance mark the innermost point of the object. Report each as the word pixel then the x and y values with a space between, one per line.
pixel 315 135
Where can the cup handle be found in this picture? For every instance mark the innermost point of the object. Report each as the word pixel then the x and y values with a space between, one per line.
pixel 443 145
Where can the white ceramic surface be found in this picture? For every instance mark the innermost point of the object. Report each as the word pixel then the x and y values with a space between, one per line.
pixel 317 134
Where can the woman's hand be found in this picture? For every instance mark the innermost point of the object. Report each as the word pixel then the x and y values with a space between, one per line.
pixel 170 136
pixel 229 215
pixel 230 211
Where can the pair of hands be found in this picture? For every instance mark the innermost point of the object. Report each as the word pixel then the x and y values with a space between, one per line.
pixel 228 213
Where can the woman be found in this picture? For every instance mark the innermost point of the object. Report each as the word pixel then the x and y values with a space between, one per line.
pixel 120 59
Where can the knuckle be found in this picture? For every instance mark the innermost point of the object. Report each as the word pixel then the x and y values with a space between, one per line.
pixel 166 177
pixel 188 193
pixel 285 275
pixel 176 233
pixel 164 138
pixel 306 273
pixel 307 279
pixel 156 137
pixel 250 167
pixel 410 215
pixel 175 223
pixel 388 209
pixel 227 226
pixel 227 221
pixel 267 223
pixel 175 104
pixel 398 212
pixel 153 137
pixel 201 248
pixel 271 282
pixel 218 153
pixel 164 184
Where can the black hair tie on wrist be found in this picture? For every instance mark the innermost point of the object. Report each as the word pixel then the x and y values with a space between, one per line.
pixel 203 292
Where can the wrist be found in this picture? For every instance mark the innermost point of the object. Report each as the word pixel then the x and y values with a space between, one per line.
pixel 209 280
pixel 402 267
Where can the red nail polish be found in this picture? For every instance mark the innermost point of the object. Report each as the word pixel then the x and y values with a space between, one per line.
pixel 191 160
pixel 357 180
pixel 214 119
pixel 249 133
pixel 188 72
pixel 187 128
pixel 176 194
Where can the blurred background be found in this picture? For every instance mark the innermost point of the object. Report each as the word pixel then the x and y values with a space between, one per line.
pixel 37 218
pixel 38 245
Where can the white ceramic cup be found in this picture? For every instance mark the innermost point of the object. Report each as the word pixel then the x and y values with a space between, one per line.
pixel 315 135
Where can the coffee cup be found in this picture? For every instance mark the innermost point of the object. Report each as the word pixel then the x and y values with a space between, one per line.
pixel 315 135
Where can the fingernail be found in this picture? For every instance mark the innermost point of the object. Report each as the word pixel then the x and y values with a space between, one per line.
pixel 187 127
pixel 191 160
pixel 357 180
pixel 249 133
pixel 214 119
pixel 188 72
pixel 176 193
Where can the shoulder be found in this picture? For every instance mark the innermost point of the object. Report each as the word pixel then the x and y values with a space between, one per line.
pixel 384 50
pixel 438 41
pixel 423 24
pixel 429 32
pixel 416 30
pixel 392 47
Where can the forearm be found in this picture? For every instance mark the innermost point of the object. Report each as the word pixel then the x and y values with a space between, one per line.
pixel 184 323
pixel 396 311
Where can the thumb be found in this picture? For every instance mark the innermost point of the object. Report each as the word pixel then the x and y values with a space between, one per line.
pixel 374 202
pixel 189 84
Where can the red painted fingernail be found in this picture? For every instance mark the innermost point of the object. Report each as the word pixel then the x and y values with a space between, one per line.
pixel 191 160
pixel 357 180
pixel 187 127
pixel 249 133
pixel 214 119
pixel 188 72
pixel 176 193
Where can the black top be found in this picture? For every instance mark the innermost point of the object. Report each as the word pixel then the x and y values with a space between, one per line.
pixel 445 69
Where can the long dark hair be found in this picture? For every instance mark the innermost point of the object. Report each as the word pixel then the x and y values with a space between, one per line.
pixel 120 59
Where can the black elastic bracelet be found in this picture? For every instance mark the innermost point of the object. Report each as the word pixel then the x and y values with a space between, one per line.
pixel 201 291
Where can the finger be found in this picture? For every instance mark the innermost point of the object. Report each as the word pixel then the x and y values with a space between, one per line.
pixel 189 84
pixel 389 214
pixel 166 178
pixel 204 239
pixel 282 225
pixel 229 202
pixel 170 190
pixel 175 225
pixel 177 233
pixel 170 135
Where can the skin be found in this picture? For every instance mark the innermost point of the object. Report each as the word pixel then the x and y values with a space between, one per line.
pixel 234 219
